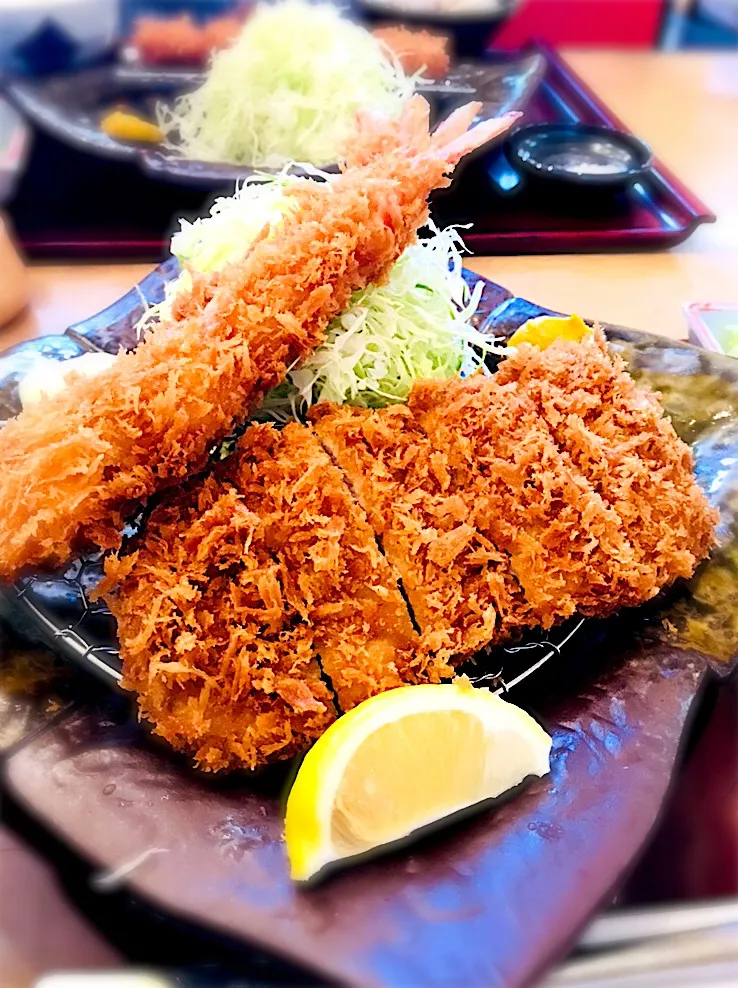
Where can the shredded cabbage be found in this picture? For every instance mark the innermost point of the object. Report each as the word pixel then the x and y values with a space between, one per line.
pixel 414 326
pixel 208 243
pixel 287 90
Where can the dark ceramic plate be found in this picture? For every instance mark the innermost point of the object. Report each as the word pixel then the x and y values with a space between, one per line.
pixel 56 607
pixel 492 900
pixel 69 108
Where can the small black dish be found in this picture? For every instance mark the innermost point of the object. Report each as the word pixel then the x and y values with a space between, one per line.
pixel 582 155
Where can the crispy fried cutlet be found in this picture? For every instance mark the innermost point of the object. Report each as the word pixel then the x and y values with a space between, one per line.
pixel 331 570
pixel 243 585
pixel 458 583
pixel 554 486
pixel 566 546
pixel 224 667
pixel 617 435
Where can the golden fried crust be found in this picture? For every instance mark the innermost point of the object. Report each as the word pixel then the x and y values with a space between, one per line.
pixel 241 586
pixel 223 666
pixel 458 583
pixel 71 468
pixel 567 548
pixel 617 435
pixel 331 570
pixel 554 486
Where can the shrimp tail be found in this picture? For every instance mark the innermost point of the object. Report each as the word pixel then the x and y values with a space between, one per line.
pixel 453 140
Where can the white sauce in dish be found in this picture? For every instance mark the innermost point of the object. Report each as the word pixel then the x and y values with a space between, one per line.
pixel 49 377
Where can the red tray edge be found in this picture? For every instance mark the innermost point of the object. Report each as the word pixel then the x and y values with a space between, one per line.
pixel 696 205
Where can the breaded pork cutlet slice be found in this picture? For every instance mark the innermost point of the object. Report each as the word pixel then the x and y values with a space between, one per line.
pixel 458 583
pixel 565 546
pixel 241 581
pixel 617 435
pixel 331 570
pixel 223 666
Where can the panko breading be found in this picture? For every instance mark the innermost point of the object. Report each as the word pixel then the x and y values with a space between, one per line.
pixel 73 467
pixel 223 666
pixel 242 589
pixel 458 583
pixel 566 546
pixel 503 502
pixel 331 570
pixel 617 435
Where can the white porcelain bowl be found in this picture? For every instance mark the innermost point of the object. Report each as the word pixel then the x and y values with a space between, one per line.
pixel 39 36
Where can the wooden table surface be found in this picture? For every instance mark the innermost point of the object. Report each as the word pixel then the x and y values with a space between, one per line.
pixel 684 105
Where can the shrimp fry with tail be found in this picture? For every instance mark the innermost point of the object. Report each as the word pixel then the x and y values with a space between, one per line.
pixel 72 467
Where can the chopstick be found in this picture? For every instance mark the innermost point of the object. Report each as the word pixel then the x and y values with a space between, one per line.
pixel 684 946
pixel 708 959
pixel 634 925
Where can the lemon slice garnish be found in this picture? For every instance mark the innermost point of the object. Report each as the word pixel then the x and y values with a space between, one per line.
pixel 401 760
pixel 543 330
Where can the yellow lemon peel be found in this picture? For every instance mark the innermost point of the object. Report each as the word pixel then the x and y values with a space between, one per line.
pixel 124 126
pixel 402 760
pixel 544 330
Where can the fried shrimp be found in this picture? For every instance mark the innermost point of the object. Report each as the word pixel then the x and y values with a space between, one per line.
pixel 72 468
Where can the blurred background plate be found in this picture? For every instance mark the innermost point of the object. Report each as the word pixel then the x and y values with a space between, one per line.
pixel 69 107
pixel 75 215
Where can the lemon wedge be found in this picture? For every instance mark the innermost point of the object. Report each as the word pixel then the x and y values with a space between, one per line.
pixel 543 330
pixel 401 760
pixel 124 126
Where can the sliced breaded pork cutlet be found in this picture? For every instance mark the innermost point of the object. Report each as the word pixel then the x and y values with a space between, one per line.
pixel 223 666
pixel 617 435
pixel 331 570
pixel 503 502
pixel 458 583
pixel 566 546
pixel 243 583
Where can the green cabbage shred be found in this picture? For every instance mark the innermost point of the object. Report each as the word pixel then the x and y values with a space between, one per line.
pixel 416 325
pixel 287 90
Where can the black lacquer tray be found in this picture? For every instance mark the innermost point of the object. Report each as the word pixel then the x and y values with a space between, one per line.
pixel 121 210
pixel 72 161
pixel 492 900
